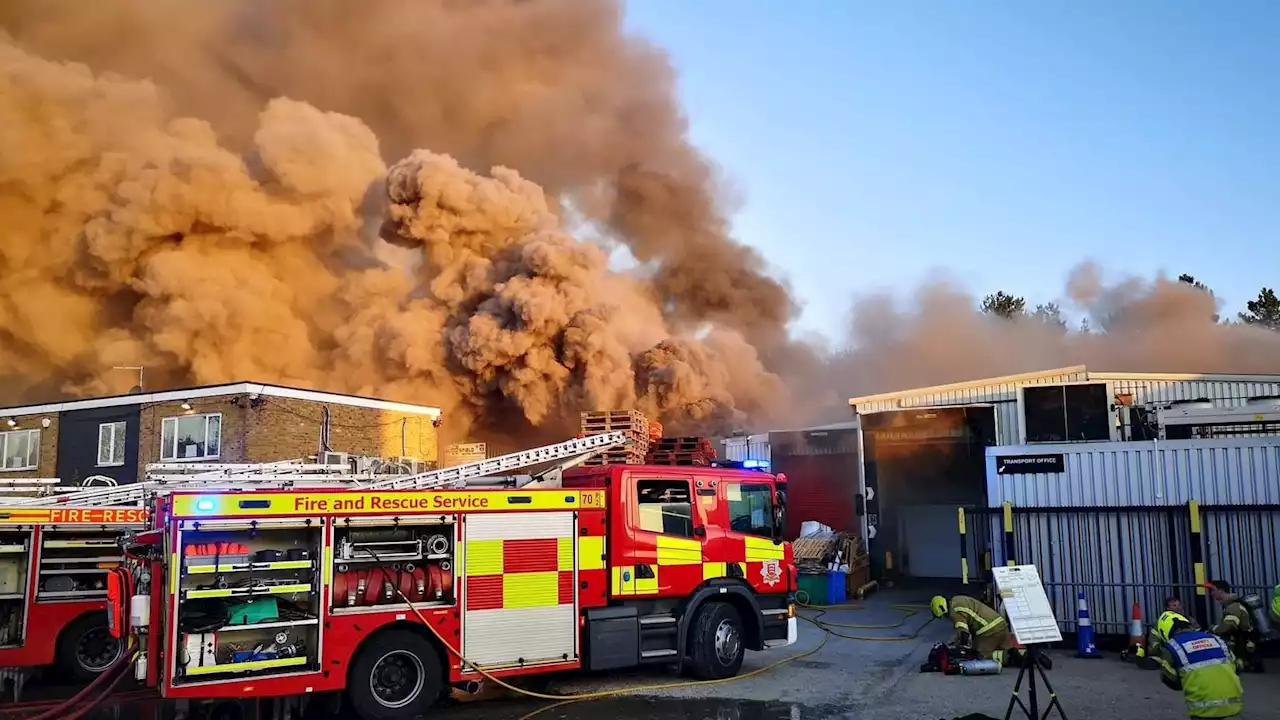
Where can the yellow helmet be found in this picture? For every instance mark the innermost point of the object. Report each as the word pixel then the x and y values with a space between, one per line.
pixel 1168 619
pixel 938 605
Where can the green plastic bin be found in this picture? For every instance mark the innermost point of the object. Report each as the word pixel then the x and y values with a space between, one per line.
pixel 815 588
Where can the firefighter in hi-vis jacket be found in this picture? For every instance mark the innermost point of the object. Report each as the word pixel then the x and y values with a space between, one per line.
pixel 1200 665
pixel 977 626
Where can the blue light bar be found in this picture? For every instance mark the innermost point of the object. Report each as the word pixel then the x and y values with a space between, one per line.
pixel 205 505
pixel 756 464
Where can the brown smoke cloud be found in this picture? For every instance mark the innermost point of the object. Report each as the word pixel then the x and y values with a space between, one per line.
pixel 937 337
pixel 143 236
pixel 289 192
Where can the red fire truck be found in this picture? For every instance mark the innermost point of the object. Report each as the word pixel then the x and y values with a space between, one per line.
pixel 54 564
pixel 392 595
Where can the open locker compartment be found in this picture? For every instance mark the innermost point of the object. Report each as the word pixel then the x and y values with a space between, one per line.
pixel 74 563
pixel 247 599
pixel 379 563
pixel 15 566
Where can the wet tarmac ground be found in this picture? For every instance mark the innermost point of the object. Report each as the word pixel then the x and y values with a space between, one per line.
pixel 137 706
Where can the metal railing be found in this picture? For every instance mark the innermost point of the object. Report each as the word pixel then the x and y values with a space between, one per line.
pixel 1119 555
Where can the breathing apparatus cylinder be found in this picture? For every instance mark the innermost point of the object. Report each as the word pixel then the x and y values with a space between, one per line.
pixel 1258 609
pixel 979 667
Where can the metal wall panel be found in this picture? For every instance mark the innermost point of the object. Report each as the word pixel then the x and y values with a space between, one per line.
pixel 751 447
pixel 1227 394
pixel 1118 556
pixel 1004 396
pixel 1236 471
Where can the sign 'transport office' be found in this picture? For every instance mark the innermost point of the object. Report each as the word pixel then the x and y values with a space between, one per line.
pixel 1028 464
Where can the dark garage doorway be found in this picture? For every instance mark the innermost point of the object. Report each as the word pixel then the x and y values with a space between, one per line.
pixel 920 465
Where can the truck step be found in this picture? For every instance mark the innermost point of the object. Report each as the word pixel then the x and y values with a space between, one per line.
pixel 657 620
pixel 652 654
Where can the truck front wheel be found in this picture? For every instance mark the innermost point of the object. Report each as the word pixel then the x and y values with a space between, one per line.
pixel 85 648
pixel 396 675
pixel 715 642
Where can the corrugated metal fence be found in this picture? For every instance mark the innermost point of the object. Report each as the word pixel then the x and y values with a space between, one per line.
pixel 1119 555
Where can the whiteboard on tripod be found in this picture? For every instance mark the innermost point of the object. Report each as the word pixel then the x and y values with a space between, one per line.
pixel 1026 604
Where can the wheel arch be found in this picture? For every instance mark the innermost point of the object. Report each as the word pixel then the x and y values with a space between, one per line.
pixel 404 625
pixel 734 592
pixel 63 635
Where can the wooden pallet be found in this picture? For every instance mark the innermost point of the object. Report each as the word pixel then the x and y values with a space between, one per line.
pixel 687 462
pixel 636 439
pixel 617 457
pixel 684 444
pixel 614 420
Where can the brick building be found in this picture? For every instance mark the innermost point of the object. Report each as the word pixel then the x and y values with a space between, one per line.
pixel 118 436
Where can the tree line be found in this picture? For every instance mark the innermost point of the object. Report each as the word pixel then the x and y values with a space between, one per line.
pixel 1263 311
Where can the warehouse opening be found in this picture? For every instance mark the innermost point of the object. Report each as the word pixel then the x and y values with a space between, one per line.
pixel 919 466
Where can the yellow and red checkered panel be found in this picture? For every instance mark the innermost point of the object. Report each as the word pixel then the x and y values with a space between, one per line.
pixel 678 564
pixel 519 573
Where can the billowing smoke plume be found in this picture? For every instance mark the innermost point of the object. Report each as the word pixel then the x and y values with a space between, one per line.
pixel 135 235
pixel 417 199
pixel 937 337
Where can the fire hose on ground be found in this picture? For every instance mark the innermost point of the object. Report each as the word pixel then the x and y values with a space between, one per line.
pixel 57 710
pixel 113 675
pixel 826 626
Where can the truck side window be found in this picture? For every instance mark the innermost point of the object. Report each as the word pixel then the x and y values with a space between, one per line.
pixel 750 509
pixel 664 507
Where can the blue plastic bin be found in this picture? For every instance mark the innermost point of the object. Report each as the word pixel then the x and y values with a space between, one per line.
pixel 836 591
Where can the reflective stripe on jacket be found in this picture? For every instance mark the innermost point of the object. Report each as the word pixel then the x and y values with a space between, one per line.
pixel 1275 608
pixel 1236 618
pixel 1202 665
pixel 974 616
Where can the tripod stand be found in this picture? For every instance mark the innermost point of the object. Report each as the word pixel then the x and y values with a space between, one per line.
pixel 1031 666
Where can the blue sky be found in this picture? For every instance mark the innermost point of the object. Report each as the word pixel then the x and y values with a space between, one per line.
pixel 1001 142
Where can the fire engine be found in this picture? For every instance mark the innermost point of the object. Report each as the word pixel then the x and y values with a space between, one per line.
pixel 392 592
pixel 54 564
pixel 59 543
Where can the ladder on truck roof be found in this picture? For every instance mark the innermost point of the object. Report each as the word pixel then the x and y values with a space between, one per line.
pixel 295 474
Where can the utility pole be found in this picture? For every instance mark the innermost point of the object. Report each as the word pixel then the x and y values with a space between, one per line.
pixel 139 368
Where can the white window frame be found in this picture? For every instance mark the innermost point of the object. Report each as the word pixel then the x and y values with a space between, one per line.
pixel 111 428
pixel 33 437
pixel 170 454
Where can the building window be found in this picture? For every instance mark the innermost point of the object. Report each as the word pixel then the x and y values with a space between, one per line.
pixel 664 507
pixel 750 509
pixel 20 450
pixel 191 437
pixel 1067 413
pixel 111 444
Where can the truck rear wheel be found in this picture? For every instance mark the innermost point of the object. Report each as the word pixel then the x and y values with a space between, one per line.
pixel 86 649
pixel 396 675
pixel 715 642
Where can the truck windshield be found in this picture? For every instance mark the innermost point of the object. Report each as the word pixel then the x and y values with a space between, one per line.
pixel 751 509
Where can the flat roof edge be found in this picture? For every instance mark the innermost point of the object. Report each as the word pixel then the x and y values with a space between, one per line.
pixel 983 382
pixel 241 388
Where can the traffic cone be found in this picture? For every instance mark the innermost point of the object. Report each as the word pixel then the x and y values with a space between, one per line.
pixel 1084 631
pixel 1137 638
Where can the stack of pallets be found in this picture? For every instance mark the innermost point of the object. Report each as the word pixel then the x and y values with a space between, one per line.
pixel 681 451
pixel 631 422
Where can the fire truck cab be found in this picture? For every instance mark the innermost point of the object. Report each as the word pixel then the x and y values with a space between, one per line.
pixel 54 564
pixel 392 596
